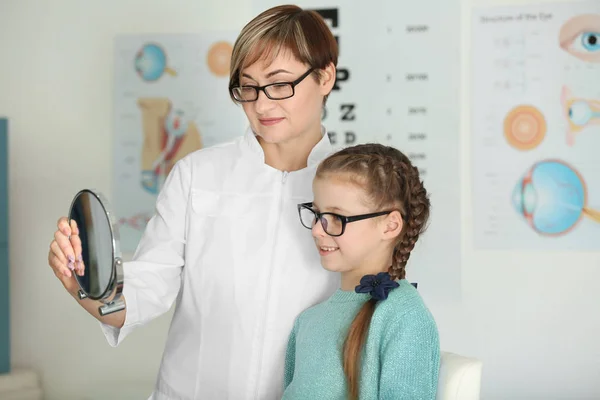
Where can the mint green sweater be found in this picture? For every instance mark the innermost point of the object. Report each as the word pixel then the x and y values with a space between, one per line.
pixel 400 360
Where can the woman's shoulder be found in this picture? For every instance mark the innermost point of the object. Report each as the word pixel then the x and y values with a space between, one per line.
pixel 213 153
pixel 210 160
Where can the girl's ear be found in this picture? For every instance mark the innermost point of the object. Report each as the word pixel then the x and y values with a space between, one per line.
pixel 393 226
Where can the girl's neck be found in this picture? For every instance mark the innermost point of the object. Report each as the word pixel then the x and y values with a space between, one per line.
pixel 351 279
pixel 378 261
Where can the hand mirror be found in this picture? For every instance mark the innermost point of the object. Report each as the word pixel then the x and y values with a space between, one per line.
pixel 100 250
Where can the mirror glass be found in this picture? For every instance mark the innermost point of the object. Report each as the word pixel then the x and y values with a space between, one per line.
pixel 97 244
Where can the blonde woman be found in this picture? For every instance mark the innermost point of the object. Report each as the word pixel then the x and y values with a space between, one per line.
pixel 225 241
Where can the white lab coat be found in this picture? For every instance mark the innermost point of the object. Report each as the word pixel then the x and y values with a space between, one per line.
pixel 227 244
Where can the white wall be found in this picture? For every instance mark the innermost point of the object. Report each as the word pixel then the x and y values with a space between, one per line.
pixel 532 318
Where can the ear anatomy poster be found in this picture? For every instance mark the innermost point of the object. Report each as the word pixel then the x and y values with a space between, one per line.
pixel 171 99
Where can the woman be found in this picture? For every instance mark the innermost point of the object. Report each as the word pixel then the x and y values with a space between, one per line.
pixel 225 241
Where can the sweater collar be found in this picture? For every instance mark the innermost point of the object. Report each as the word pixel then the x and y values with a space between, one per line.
pixel 346 296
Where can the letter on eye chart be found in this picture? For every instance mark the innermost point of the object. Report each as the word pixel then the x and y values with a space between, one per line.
pixel 580 37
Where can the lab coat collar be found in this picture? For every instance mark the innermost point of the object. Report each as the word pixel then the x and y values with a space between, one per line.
pixel 317 154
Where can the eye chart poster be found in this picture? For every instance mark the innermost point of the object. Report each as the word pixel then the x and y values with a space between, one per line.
pixel 398 84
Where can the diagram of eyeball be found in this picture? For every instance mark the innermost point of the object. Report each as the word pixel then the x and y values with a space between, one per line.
pixel 580 113
pixel 552 198
pixel 151 62
pixel 580 37
pixel 524 127
pixel 218 58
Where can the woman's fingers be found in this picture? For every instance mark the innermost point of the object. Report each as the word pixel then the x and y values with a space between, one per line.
pixel 77 250
pixel 58 261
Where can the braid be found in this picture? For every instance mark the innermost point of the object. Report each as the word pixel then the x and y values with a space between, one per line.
pixel 416 204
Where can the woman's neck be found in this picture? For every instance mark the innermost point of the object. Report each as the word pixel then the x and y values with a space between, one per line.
pixel 291 155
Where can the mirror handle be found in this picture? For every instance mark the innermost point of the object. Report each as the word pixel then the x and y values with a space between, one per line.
pixel 113 306
pixel 118 304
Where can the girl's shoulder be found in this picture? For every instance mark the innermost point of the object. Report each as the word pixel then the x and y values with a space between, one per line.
pixel 403 303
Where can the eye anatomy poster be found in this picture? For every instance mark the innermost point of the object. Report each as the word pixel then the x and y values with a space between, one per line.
pixel 536 126
pixel 397 83
pixel 171 99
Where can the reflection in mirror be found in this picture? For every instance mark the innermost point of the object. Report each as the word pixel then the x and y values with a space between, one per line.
pixel 96 244
pixel 99 250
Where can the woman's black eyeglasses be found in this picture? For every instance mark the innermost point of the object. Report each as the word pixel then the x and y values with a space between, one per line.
pixel 274 91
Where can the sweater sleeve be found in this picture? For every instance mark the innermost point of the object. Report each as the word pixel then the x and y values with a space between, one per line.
pixel 410 358
pixel 290 357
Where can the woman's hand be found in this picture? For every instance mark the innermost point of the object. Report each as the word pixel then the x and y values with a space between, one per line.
pixel 64 256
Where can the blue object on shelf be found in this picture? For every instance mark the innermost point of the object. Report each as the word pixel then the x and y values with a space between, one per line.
pixel 4 278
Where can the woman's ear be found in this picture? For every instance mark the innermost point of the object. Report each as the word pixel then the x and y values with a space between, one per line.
pixel 327 79
pixel 393 226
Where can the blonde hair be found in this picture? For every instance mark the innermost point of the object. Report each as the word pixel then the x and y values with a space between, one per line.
pixel 289 28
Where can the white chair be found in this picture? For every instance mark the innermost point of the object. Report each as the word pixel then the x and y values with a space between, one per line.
pixel 459 377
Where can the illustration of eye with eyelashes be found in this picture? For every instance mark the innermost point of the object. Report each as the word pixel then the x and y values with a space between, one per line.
pixel 580 37
pixel 579 113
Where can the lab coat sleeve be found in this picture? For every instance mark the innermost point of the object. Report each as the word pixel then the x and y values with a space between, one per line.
pixel 410 358
pixel 153 278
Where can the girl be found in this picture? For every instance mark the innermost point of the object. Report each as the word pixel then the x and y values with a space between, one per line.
pixel 373 338
pixel 225 241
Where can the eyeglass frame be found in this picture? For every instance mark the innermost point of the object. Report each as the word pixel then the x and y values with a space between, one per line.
pixel 258 89
pixel 345 220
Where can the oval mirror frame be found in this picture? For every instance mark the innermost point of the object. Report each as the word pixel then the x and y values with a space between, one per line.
pixel 115 284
